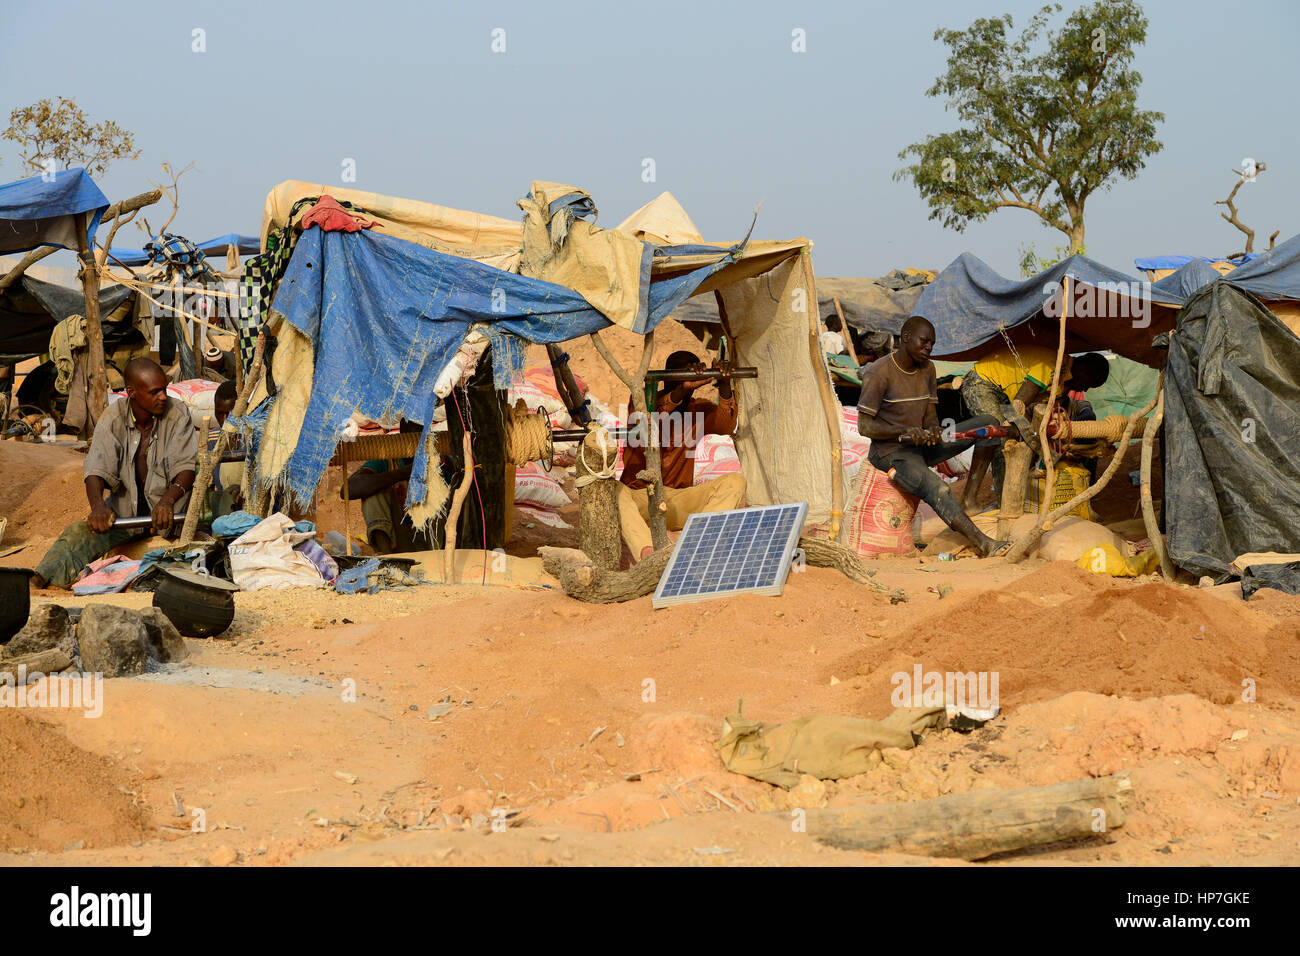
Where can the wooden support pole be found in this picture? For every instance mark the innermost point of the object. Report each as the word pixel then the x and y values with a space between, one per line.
pixel 830 404
pixel 844 328
pixel 1148 506
pixel 979 823
pixel 96 376
pixel 1015 483
pixel 453 513
pixel 202 479
pixel 1052 393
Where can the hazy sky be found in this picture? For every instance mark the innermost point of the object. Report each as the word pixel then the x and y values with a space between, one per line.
pixel 585 91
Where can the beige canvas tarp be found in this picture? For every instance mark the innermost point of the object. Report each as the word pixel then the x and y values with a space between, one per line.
pixel 782 438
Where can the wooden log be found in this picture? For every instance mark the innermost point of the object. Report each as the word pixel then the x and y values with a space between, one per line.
pixel 599 532
pixel 36 255
pixel 819 553
pixel 1015 483
pixel 42 662
pixel 581 578
pixel 1148 506
pixel 980 823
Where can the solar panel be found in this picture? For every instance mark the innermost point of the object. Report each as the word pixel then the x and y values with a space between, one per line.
pixel 745 551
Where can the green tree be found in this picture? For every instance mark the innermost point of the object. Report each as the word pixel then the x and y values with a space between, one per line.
pixel 1046 119
pixel 51 135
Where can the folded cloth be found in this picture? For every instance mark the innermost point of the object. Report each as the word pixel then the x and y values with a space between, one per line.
pixel 107 576
pixel 235 523
pixel 330 216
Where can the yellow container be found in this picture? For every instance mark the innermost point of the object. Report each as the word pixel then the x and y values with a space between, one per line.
pixel 1071 480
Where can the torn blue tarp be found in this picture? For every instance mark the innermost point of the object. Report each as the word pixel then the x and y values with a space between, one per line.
pixel 972 307
pixel 384 317
pixel 44 211
pixel 1272 275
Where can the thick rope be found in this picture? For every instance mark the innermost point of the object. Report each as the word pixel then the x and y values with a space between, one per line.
pixel 608 454
pixel 528 436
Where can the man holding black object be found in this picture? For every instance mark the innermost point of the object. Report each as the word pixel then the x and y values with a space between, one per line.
pixel 897 411
pixel 142 457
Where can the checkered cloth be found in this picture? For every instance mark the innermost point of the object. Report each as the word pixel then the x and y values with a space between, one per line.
pixel 178 253
pixel 261 277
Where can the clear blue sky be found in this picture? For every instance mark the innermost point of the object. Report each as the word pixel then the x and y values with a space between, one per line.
pixel 586 90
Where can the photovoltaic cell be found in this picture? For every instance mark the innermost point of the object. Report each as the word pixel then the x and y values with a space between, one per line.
pixel 746 551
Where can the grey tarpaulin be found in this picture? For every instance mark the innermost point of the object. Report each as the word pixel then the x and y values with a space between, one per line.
pixel 1232 479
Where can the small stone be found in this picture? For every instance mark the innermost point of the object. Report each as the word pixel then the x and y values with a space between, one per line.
pixel 810 792
pixel 345 777
pixel 224 856
pixel 79 845
pixel 834 680
pixel 1239 734
pixel 1205 582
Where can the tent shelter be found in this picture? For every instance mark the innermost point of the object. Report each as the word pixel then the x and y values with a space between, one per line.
pixel 369 321
pixel 60 210
pixel 975 311
pixel 1161 267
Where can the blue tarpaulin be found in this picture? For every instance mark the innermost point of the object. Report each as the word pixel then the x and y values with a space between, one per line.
pixel 1188 278
pixel 1272 275
pixel 247 246
pixel 971 306
pixel 1155 263
pixel 40 210
pixel 384 317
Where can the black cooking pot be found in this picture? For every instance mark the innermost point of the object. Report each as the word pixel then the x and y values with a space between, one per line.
pixel 199 605
pixel 15 601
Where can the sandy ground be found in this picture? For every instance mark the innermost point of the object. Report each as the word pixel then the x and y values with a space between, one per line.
pixel 401 727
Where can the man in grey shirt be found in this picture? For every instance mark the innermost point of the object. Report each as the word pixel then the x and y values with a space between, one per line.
pixel 142 457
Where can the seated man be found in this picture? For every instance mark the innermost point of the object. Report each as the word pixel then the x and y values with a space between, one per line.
pixel 382 491
pixel 691 419
pixel 897 412
pixel 1025 375
pixel 143 454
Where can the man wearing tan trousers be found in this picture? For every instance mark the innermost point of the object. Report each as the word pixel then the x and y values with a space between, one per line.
pixel 681 420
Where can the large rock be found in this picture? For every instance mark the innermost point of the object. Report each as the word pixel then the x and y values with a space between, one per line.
pixel 164 642
pixel 30 667
pixel 112 640
pixel 46 629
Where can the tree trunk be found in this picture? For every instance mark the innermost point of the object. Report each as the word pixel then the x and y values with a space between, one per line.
pixel 599 531
pixel 96 376
pixel 978 824
pixel 1015 482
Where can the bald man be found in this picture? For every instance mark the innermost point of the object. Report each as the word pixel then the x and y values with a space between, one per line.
pixel 897 410
pixel 140 463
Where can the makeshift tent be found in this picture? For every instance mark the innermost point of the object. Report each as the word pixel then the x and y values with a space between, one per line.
pixel 1272 275
pixel 62 209
pixel 244 245
pixel 369 320
pixel 976 311
pixel 30 309
pixel 1232 476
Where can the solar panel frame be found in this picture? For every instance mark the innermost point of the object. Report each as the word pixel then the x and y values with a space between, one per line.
pixel 715 554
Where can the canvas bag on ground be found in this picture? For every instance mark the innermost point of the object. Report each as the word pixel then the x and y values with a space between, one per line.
pixel 264 557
